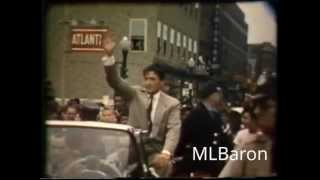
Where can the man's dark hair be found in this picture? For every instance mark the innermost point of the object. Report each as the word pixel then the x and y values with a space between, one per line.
pixel 73 101
pixel 157 69
pixel 249 110
pixel 74 106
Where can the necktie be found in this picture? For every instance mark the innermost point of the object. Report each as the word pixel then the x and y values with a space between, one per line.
pixel 149 110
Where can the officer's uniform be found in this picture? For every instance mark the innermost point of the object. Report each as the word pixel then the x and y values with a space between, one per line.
pixel 202 128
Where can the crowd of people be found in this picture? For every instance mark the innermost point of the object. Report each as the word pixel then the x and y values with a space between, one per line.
pixel 175 128
pixel 112 111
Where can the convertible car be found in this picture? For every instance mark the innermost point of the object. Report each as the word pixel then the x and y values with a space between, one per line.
pixel 89 149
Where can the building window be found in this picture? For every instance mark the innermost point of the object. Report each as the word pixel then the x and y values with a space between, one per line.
pixel 171 53
pixel 158 45
pixel 216 32
pixel 214 59
pixel 195 47
pixel 189 48
pixel 196 6
pixel 196 14
pixel 171 41
pixel 215 52
pixel 190 45
pixel 184 46
pixel 178 43
pixel 158 37
pixel 138 34
pixel 165 38
pixel 164 47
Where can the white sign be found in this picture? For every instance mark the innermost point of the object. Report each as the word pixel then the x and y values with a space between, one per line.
pixel 87 39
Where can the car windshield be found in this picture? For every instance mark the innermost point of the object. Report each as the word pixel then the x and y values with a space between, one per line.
pixel 74 152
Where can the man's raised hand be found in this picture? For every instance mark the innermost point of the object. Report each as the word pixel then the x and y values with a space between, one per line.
pixel 109 43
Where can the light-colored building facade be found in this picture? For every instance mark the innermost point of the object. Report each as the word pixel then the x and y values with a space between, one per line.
pixel 166 33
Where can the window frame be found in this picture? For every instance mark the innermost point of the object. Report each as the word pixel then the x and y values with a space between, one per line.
pixel 178 43
pixel 145 20
pixel 159 36
pixel 172 41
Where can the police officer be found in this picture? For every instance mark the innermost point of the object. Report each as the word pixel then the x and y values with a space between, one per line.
pixel 203 127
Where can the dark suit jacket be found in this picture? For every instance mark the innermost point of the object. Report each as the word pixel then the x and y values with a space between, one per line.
pixel 200 129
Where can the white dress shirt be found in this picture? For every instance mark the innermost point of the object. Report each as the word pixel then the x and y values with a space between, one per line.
pixel 155 101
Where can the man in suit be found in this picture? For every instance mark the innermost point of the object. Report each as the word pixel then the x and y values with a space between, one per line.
pixel 149 109
pixel 203 127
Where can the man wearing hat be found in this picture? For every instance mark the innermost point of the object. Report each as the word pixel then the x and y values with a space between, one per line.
pixel 203 128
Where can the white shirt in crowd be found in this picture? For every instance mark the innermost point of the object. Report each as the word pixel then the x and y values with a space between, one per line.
pixel 244 137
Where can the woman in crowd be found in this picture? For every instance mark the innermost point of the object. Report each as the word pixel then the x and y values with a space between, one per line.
pixel 249 131
pixel 264 111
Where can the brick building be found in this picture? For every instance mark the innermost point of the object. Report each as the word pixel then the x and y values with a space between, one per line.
pixel 166 33
pixel 169 33
pixel 230 39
